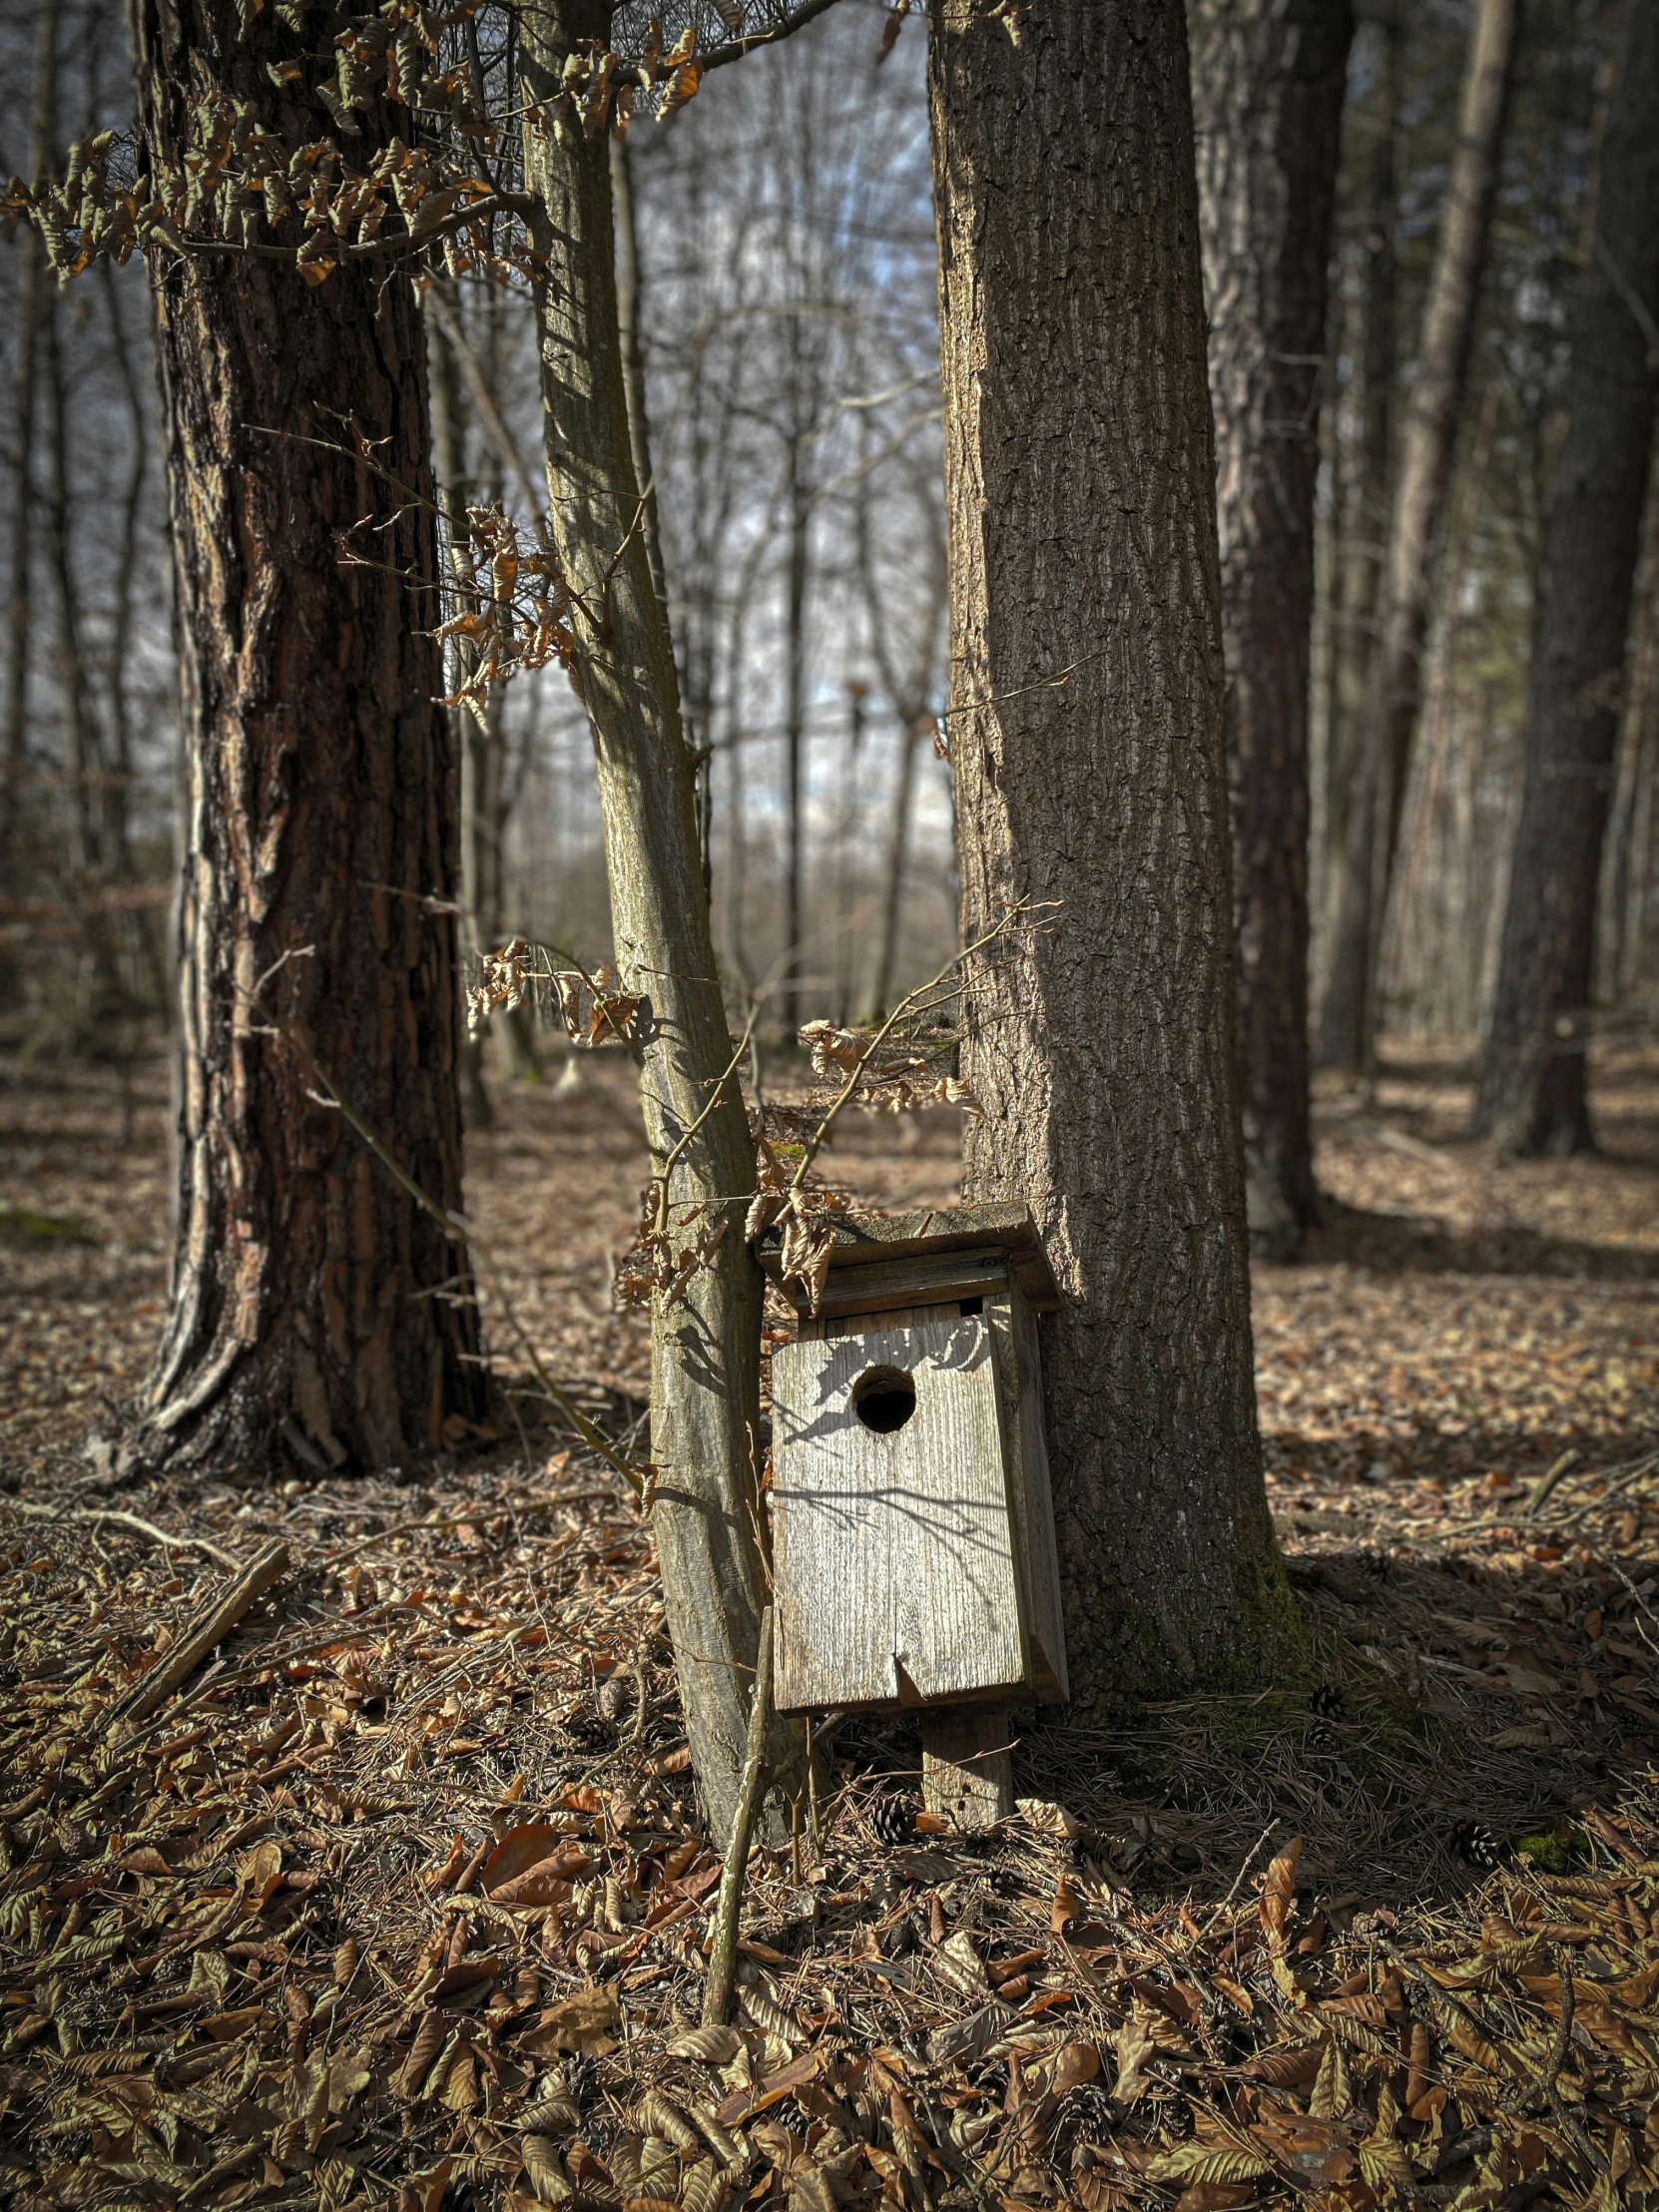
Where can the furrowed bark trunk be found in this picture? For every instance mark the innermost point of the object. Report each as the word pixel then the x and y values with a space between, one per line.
pixel 705 1407
pixel 795 711
pixel 1086 718
pixel 1363 525
pixel 1532 1096
pixel 892 897
pixel 31 282
pixel 305 1319
pixel 1627 887
pixel 1268 81
pixel 83 754
pixel 1347 1013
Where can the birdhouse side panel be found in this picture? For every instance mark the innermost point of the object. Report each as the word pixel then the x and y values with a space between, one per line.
pixel 959 1613
pixel 894 1549
pixel 1015 1326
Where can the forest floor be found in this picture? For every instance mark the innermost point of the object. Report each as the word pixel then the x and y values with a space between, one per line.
pixel 275 1942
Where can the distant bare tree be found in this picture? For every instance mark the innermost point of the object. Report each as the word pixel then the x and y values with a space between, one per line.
pixel 1268 85
pixel 1533 1095
pixel 1394 677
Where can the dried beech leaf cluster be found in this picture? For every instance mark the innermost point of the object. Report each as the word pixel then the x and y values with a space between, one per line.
pixel 591 1010
pixel 516 607
pixel 242 184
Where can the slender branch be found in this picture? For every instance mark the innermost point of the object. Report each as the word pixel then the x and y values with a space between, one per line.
pixel 717 1091
pixel 475 211
pixel 735 49
pixel 815 1142
pixel 723 1955
pixel 126 1520
pixel 477 384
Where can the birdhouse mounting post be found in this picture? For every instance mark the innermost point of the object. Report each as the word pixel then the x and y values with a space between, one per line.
pixel 967 1767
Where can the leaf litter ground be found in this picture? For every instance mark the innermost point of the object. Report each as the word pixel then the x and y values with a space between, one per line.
pixel 400 1898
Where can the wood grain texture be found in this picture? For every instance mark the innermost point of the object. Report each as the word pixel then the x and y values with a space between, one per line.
pixel 1020 1386
pixel 935 1279
pixel 893 1554
pixel 967 1767
pixel 866 1239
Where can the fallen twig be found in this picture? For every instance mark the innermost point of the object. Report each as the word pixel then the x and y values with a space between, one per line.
pixel 126 1520
pixel 1546 1482
pixel 220 1616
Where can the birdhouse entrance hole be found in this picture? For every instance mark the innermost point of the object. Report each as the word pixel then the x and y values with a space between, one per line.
pixel 885 1398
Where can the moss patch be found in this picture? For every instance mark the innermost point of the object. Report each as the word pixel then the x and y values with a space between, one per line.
pixel 19 1225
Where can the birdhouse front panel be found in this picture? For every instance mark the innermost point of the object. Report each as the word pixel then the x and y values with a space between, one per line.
pixel 893 1536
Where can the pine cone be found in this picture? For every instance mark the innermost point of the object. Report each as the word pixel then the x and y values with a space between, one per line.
pixel 893 1820
pixel 1476 1845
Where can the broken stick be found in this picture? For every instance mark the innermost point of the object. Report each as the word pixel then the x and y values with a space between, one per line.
pixel 215 1622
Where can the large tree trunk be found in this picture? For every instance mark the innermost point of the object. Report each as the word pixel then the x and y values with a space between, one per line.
pixel 318 833
pixel 1086 717
pixel 1348 1015
pixel 1268 83
pixel 1532 1089
pixel 1367 327
pixel 1626 928
pixel 705 1408
pixel 32 278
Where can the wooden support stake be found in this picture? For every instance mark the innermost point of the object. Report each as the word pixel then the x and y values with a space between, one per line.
pixel 215 1622
pixel 968 1767
pixel 723 1957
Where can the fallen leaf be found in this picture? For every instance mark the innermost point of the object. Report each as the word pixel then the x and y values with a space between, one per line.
pixel 1047 1819
pixel 1134 2050
pixel 521 1847
pixel 1067 1907
pixel 1279 1891
pixel 714 2045
pixel 575 2023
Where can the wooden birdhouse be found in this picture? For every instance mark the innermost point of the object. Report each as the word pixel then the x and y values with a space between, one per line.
pixel 913 1531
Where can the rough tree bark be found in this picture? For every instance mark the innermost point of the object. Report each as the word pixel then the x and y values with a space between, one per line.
pixel 1348 1014
pixel 1369 332
pixel 32 277
pixel 1532 1095
pixel 319 831
pixel 1086 729
pixel 705 1403
pixel 1268 80
pixel 477 750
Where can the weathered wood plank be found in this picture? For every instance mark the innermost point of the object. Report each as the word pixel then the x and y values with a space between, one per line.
pixel 1019 1371
pixel 968 1767
pixel 867 1238
pixel 928 1279
pixel 895 1577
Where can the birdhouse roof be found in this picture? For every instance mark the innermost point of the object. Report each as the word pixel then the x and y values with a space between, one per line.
pixel 863 1240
